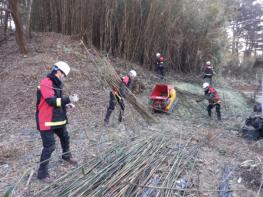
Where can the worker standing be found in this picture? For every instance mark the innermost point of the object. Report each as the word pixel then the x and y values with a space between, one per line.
pixel 51 117
pixel 214 100
pixel 117 95
pixel 208 71
pixel 160 65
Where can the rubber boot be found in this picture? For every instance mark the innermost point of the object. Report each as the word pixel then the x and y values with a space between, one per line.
pixel 209 113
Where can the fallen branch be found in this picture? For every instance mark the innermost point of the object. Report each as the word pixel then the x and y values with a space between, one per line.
pixel 30 177
pixel 185 190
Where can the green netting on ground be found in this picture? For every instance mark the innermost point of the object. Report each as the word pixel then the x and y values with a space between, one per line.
pixel 233 102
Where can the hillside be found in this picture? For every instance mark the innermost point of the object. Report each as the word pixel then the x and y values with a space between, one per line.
pixel 184 144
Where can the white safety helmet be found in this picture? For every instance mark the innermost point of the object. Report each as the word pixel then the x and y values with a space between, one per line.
pixel 205 85
pixel 158 54
pixel 63 66
pixel 132 73
pixel 208 63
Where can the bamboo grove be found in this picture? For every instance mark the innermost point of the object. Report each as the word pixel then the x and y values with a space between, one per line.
pixel 187 32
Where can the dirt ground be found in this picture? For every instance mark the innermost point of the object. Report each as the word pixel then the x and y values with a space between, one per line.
pixel 20 144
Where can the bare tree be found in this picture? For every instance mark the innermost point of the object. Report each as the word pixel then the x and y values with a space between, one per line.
pixel 28 25
pixel 247 25
pixel 19 29
pixel 5 12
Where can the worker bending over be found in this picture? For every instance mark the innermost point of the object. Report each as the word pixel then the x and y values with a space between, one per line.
pixel 117 95
pixel 213 100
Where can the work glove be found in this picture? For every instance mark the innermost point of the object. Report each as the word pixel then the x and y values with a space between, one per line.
pixel 70 106
pixel 74 98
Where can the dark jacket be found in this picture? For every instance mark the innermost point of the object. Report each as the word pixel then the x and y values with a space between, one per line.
pixel 208 71
pixel 160 61
pixel 51 105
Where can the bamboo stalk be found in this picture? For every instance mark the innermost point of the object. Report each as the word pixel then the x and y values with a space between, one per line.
pixel 107 72
pixel 177 189
pixel 128 170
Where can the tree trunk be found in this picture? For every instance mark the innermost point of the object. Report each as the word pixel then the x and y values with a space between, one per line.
pixel 5 23
pixel 28 26
pixel 233 40
pixel 4 17
pixel 20 39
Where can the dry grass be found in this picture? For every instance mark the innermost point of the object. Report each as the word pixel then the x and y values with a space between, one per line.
pixel 215 142
pixel 8 153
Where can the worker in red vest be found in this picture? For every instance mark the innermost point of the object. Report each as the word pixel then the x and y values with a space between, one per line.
pixel 160 64
pixel 208 71
pixel 213 100
pixel 116 96
pixel 51 117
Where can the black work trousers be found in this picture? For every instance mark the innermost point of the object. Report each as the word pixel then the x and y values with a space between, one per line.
pixel 111 107
pixel 160 70
pixel 218 112
pixel 48 141
pixel 208 79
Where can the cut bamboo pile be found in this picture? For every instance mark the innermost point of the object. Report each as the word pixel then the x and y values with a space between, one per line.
pixel 108 73
pixel 148 162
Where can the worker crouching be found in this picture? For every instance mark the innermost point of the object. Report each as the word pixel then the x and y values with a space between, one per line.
pixel 214 100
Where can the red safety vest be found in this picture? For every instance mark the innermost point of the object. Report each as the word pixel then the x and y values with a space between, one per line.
pixel 51 106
